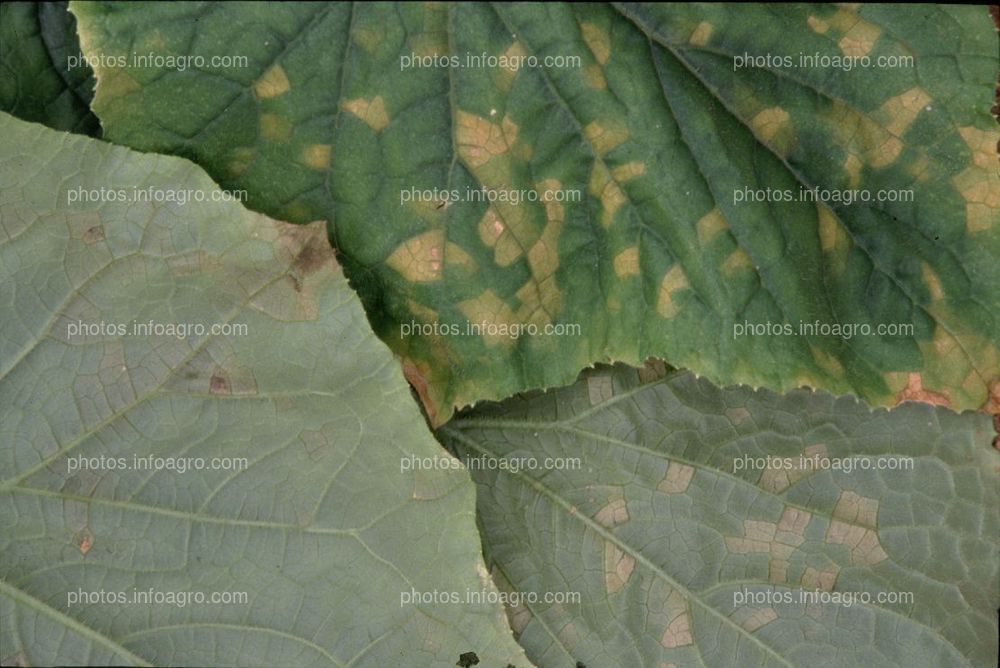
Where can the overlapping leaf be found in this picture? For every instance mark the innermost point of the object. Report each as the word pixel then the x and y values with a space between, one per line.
pixel 655 125
pixel 692 526
pixel 42 77
pixel 320 529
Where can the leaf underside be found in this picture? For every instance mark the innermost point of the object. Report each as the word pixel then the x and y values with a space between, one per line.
pixel 661 531
pixel 322 530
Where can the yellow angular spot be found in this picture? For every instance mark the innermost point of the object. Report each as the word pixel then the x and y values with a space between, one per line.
pixel 240 159
pixel 828 362
pixel 491 227
pixel 932 281
pixel 511 61
pixel 316 156
pixel 419 259
pixel 984 146
pixel 701 34
pixel 369 39
pixel 898 113
pixel 618 568
pixel 736 261
pixel 862 136
pixel 372 112
pixel 432 43
pixel 709 225
pixel 604 139
pixel 597 41
pixel 490 309
pixel 824 579
pixel 677 479
pixel 275 128
pixel 818 25
pixel 424 313
pixel 627 262
pixel 629 170
pixel 860 36
pixel 479 140
pixel 593 76
pixel 980 188
pixel 455 256
pixel 831 234
pixel 272 83
pixel 853 166
pixel 674 280
pixel 603 187
pixel 774 126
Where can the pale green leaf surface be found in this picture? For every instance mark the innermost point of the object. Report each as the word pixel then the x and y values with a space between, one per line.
pixel 321 530
pixel 656 129
pixel 657 528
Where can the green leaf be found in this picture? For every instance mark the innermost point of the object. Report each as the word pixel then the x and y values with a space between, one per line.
pixel 657 129
pixel 321 529
pixel 41 76
pixel 690 506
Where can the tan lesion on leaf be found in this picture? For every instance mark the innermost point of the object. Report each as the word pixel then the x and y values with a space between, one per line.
pixel 600 388
pixel 863 542
pixel 369 39
pixel 856 509
pixel 677 478
pixel 605 136
pixel 816 578
pixel 613 514
pixel 316 156
pixel 678 629
pixel 709 226
pixel 673 281
pixel 618 567
pixel 915 391
pixel 272 83
pixel 776 539
pixel 419 259
pixel 862 136
pixel 541 298
pixel 751 619
pixel 774 127
pixel 626 262
pixel 979 184
pixel 597 41
pixel 702 33
pixel 826 361
pixel 777 478
pixel 372 112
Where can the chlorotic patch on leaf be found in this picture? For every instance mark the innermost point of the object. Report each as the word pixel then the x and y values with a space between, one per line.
pixel 139 339
pixel 645 518
pixel 775 196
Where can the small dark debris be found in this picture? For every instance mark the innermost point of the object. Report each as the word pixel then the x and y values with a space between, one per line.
pixel 581 664
pixel 467 659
